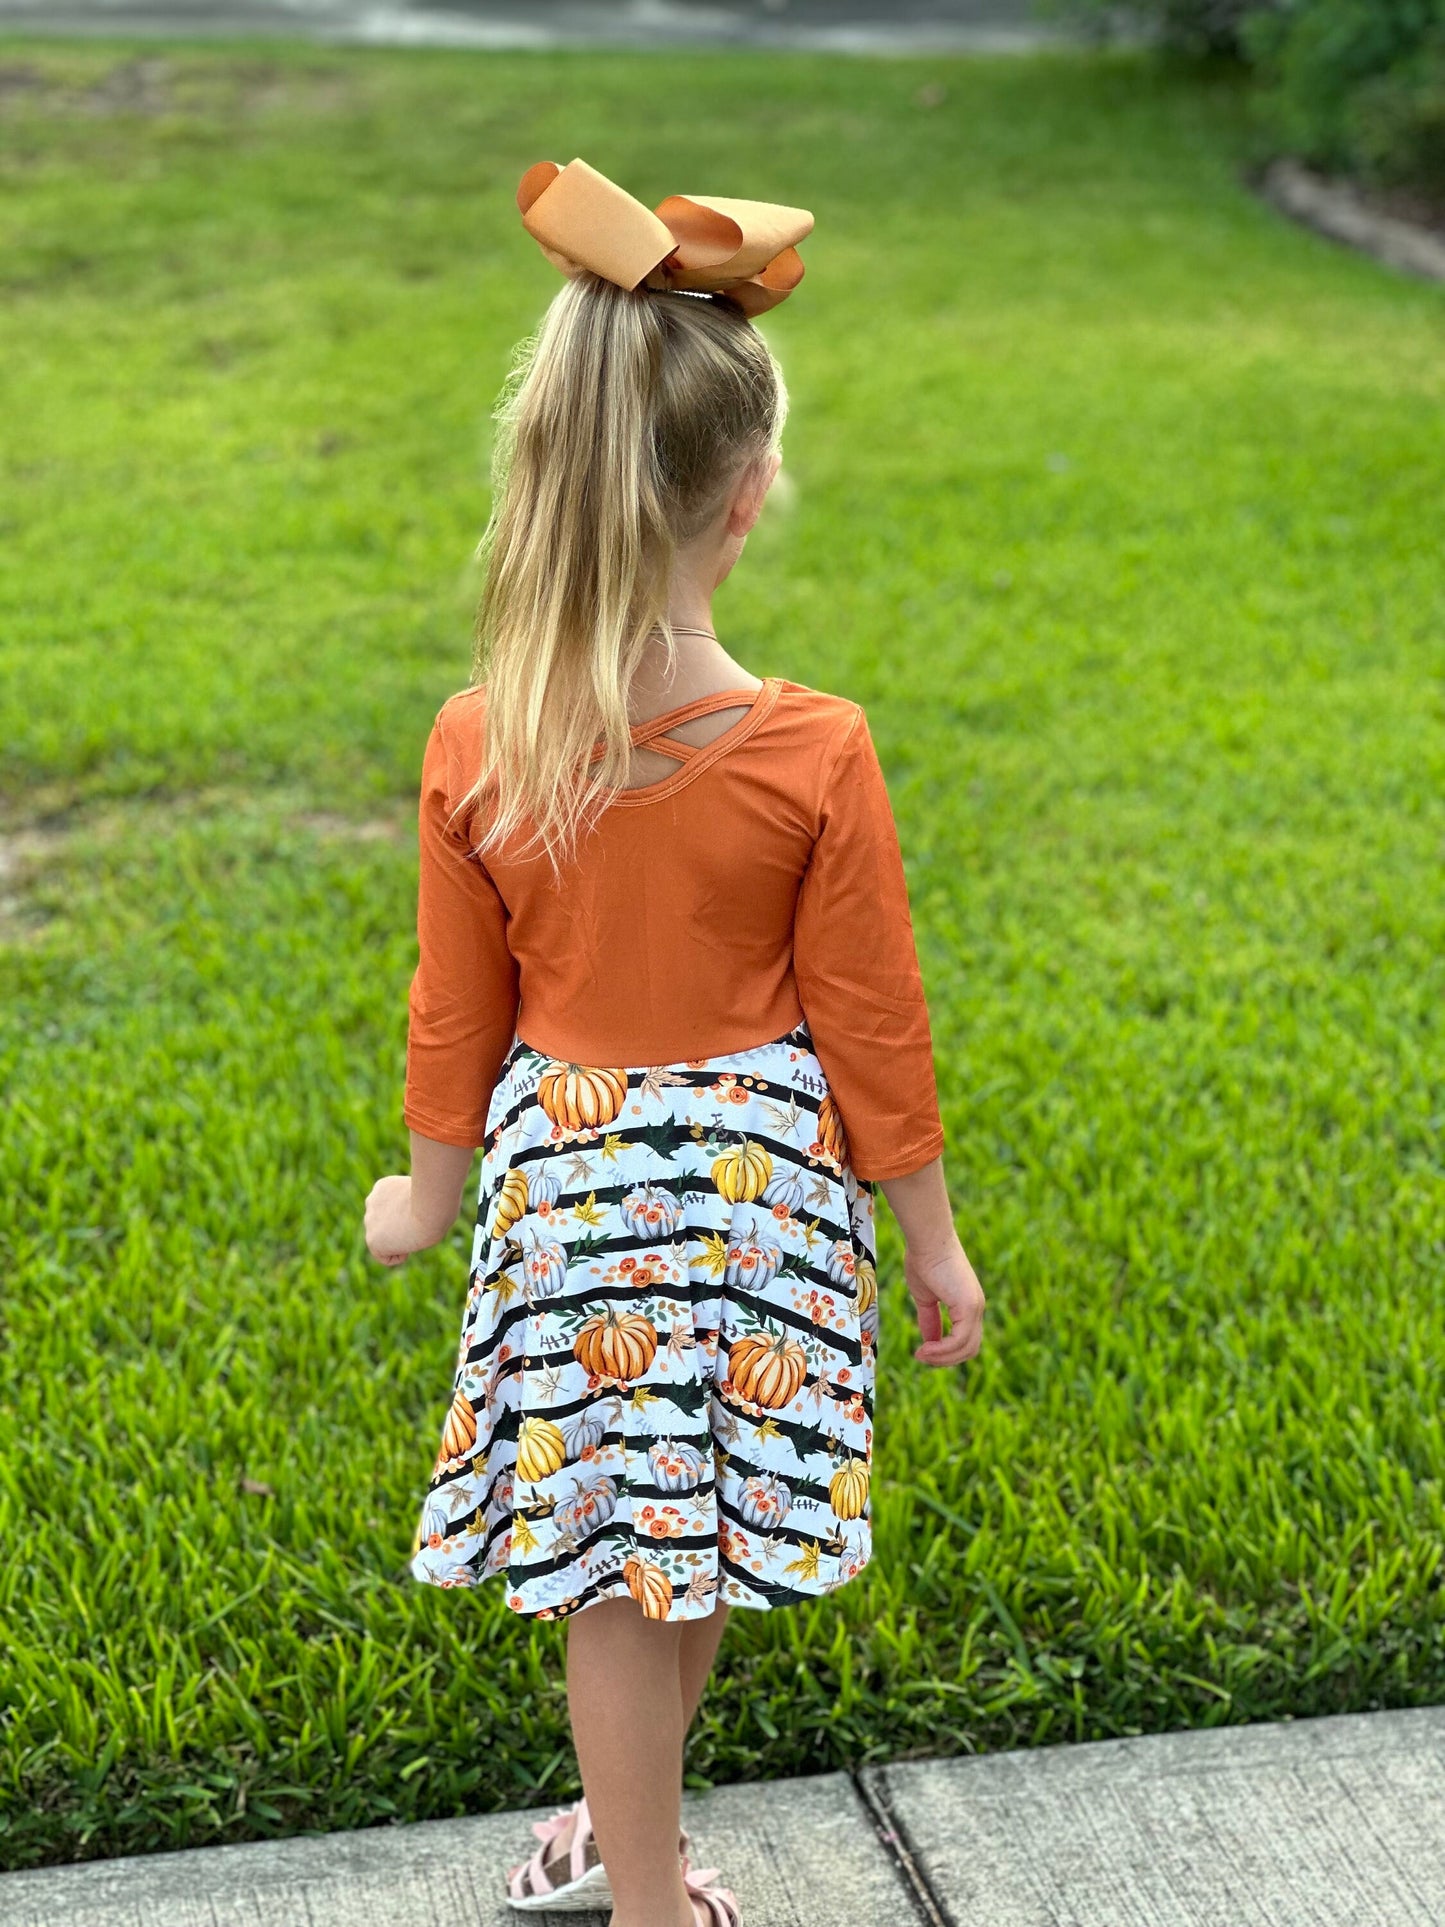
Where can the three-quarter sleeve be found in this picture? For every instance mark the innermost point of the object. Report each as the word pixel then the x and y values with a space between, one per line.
pixel 857 971
pixel 462 1006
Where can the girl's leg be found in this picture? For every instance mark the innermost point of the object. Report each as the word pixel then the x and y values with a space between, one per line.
pixel 697 1650
pixel 624 1693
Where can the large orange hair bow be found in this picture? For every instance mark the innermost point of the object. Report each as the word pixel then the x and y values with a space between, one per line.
pixel 744 249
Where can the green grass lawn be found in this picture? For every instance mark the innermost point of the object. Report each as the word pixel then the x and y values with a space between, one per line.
pixel 1119 505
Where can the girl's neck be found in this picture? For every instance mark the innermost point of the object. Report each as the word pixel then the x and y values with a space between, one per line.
pixel 703 665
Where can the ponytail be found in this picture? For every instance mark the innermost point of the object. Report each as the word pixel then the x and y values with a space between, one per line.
pixel 625 422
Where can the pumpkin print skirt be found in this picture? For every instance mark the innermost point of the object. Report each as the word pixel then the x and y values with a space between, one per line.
pixel 664 1385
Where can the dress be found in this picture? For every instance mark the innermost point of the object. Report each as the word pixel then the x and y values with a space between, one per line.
pixel 687 1063
pixel 665 1380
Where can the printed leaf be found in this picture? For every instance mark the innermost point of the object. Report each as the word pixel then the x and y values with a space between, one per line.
pixel 714 1259
pixel 784 1121
pixel 582 1249
pixel 688 1397
pixel 658 1138
pixel 807 1564
pixel 523 1537
pixel 657 1079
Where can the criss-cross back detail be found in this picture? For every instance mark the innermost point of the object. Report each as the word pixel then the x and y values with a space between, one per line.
pixel 655 734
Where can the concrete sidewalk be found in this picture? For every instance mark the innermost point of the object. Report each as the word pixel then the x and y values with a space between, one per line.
pixel 1323 1823
pixel 834 26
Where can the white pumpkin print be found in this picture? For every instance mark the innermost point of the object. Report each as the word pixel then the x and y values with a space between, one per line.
pixel 591 1505
pixel 545 1268
pixel 651 1211
pixel 765 1500
pixel 840 1262
pixel 753 1262
pixel 785 1187
pixel 585 1431
pixel 544 1187
pixel 676 1468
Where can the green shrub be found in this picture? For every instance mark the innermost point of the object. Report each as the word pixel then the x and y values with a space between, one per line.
pixel 1190 26
pixel 1333 68
pixel 1353 86
pixel 1398 125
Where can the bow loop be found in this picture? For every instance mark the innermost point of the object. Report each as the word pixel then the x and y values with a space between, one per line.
pixel 691 243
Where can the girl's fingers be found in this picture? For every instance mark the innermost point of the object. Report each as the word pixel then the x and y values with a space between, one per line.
pixel 930 1322
pixel 954 1350
pixel 965 1335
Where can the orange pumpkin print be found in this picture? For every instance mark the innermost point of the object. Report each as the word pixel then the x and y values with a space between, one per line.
pixel 614 1344
pixel 459 1434
pixel 769 1371
pixel 831 1135
pixel 580 1098
pixel 649 1586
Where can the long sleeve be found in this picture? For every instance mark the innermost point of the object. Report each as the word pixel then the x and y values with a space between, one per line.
pixel 464 996
pixel 857 971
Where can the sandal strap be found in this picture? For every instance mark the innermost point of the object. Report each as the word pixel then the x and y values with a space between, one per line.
pixel 581 1834
pixel 712 1906
pixel 533 1877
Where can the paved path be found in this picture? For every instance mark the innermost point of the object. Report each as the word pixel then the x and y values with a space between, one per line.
pixel 842 26
pixel 1323 1823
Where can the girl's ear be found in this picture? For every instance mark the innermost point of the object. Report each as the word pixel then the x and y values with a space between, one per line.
pixel 750 494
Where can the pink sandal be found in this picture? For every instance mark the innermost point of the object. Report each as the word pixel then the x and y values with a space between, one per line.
pixel 711 1906
pixel 532 1888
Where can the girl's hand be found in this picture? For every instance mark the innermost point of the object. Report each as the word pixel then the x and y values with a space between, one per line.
pixel 945 1281
pixel 392 1234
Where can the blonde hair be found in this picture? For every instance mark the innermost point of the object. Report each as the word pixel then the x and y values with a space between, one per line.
pixel 625 421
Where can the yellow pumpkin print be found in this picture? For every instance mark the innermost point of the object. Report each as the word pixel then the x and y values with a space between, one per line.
pixel 848 1489
pixel 741 1174
pixel 511 1203
pixel 540 1450
pixel 865 1280
pixel 580 1098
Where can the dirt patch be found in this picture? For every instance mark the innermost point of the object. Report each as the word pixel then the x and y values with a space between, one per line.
pixel 31 852
pixel 377 829
pixel 150 86
pixel 24 857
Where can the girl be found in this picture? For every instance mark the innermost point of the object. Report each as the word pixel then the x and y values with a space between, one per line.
pixel 668 984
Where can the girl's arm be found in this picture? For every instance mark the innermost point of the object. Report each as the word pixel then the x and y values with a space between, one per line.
pixel 462 1010
pixel 407 1214
pixel 935 1266
pixel 862 993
